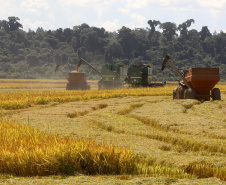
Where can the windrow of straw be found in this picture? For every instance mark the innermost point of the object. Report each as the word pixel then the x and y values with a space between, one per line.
pixel 24 99
pixel 17 100
pixel 25 151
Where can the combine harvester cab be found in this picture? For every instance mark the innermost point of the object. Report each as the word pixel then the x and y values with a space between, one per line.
pixel 112 76
pixel 197 83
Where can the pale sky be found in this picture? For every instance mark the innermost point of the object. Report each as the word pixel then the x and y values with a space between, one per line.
pixel 113 14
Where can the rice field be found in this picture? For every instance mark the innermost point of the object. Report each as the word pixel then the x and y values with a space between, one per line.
pixel 129 135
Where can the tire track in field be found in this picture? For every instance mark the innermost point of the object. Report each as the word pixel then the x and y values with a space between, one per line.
pixel 177 140
pixel 155 123
pixel 83 113
pixel 163 133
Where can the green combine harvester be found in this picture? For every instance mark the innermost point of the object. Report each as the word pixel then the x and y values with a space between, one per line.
pixel 141 76
pixel 112 76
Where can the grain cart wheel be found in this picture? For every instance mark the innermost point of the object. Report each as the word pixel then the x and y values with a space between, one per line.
pixel 88 87
pixel 189 94
pixel 69 86
pixel 84 86
pixel 216 94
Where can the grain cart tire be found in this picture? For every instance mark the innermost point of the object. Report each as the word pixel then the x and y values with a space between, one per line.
pixel 174 94
pixel 216 94
pixel 69 86
pixel 189 94
pixel 84 86
pixel 88 87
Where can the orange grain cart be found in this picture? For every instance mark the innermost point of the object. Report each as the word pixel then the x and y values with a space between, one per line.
pixel 197 83
pixel 76 80
pixel 203 81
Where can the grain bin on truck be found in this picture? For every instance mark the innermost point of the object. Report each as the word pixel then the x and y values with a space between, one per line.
pixel 196 83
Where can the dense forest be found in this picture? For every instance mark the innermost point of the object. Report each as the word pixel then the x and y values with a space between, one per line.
pixel 34 54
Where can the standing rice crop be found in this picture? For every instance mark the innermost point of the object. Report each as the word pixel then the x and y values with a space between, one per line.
pixel 25 151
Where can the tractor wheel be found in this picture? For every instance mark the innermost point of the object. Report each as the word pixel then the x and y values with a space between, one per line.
pixel 216 94
pixel 180 92
pixel 100 86
pixel 189 94
pixel 174 94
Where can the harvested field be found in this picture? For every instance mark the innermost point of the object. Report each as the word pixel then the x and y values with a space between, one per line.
pixel 182 136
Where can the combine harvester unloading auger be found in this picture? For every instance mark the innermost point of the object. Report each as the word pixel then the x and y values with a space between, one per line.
pixel 197 83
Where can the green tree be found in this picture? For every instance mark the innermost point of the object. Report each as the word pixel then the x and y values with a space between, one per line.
pixel 140 42
pixel 113 50
pixel 14 24
pixel 126 39
pixel 204 33
pixel 169 30
pixel 183 28
pixel 10 25
pixel 152 24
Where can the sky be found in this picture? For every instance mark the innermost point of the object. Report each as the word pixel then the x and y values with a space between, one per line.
pixel 113 14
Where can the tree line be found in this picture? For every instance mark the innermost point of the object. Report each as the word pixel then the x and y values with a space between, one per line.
pixel 34 54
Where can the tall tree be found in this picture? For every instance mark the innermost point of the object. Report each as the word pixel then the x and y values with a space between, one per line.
pixel 204 33
pixel 14 24
pixel 126 39
pixel 152 24
pixel 4 26
pixel 183 28
pixel 113 49
pixel 169 30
